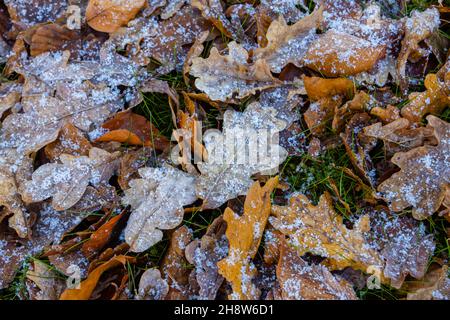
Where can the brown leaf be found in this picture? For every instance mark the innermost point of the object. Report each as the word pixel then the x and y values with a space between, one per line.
pixel 48 282
pixel 131 128
pixel 319 230
pixel 318 88
pixel 433 100
pixel 424 175
pixel 87 286
pixel 244 236
pixel 435 286
pixel 100 237
pixel 70 141
pixel 53 37
pixel 222 77
pixel 301 281
pixel 336 54
pixel 110 15
pixel 152 286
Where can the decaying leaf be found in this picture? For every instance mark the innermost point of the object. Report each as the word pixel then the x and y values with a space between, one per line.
pixel 70 141
pixel 66 182
pixel 244 235
pixel 223 77
pixel 424 176
pixel 223 178
pixel 9 96
pixel 53 37
pixel 152 286
pixel 109 15
pixel 319 230
pixel 302 281
pixel 157 200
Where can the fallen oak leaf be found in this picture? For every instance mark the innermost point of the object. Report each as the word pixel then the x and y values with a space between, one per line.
pixel 66 182
pixel 152 286
pixel 244 235
pixel 423 177
pixel 70 141
pixel 435 286
pixel 318 88
pixel 110 15
pixel 301 281
pixel 320 231
pixel 50 285
pixel 88 285
pixel 157 201
pixel 337 54
pixel 53 37
pixel 222 77
pixel 131 128
pixel 433 100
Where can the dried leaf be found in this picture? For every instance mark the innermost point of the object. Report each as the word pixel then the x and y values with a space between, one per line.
pixel 50 285
pixel 9 96
pixel 222 177
pixel 301 281
pixel 87 286
pixel 337 54
pixel 435 286
pixel 424 176
pixel 53 37
pixel 433 100
pixel 318 88
pixel 319 230
pixel 70 141
pixel 66 182
pixel 157 200
pixel 288 44
pixel 110 15
pixel 152 286
pixel 131 128
pixel 100 237
pixel 223 77
pixel 244 235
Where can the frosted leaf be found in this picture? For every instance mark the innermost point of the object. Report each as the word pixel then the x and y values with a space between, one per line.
pixel 48 282
pixel 417 28
pixel 66 182
pixel 152 286
pixel 424 176
pixel 403 243
pixel 320 231
pixel 435 286
pixel 223 77
pixel 288 44
pixel 157 201
pixel 9 95
pixel 245 147
pixel 399 135
pixel 289 9
pixel 27 14
pixel 163 40
pixel 171 8
pixel 244 235
pixel 301 281
pixel 204 255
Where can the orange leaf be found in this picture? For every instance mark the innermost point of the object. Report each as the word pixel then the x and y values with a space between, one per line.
pixel 100 237
pixel 131 128
pixel 87 286
pixel 109 15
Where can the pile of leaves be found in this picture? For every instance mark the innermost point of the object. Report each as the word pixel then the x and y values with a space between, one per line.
pixel 100 198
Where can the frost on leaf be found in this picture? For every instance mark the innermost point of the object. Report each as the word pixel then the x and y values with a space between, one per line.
pixel 66 182
pixel 245 147
pixel 109 15
pixel 289 9
pixel 9 95
pixel 399 135
pixel 157 200
pixel 301 281
pixel 204 255
pixel 403 244
pixel 320 231
pixel 418 27
pixel 47 284
pixel 165 40
pixel 424 176
pixel 435 286
pixel 224 77
pixel 337 54
pixel 288 44
pixel 152 286
pixel 244 235
pixel 433 100
pixel 26 14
